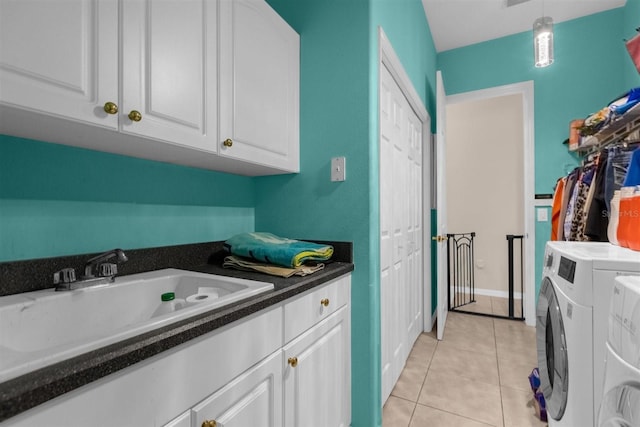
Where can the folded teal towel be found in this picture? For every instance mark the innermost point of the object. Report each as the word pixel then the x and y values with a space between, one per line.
pixel 266 247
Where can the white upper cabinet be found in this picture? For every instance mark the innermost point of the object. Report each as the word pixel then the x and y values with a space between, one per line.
pixel 169 71
pixel 60 57
pixel 259 63
pixel 167 80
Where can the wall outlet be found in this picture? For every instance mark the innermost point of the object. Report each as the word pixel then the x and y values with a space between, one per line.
pixel 338 169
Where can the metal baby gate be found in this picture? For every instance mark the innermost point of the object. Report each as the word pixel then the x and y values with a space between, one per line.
pixel 461 278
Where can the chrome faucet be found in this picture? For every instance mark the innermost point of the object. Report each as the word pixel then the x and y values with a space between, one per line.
pixel 97 271
pixel 103 268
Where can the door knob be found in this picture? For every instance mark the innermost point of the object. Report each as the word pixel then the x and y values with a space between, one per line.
pixel 209 423
pixel 325 302
pixel 293 361
pixel 228 142
pixel 135 116
pixel 439 238
pixel 110 108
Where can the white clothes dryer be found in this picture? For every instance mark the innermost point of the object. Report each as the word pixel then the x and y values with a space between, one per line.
pixel 571 325
pixel 620 405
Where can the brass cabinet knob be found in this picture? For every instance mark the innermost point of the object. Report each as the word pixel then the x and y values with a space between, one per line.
pixel 293 361
pixel 227 142
pixel 110 108
pixel 135 116
pixel 209 423
pixel 325 302
pixel 439 238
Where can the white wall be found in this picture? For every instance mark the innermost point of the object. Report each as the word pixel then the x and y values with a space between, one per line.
pixel 485 181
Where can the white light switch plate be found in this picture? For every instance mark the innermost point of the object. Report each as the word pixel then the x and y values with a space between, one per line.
pixel 543 214
pixel 338 171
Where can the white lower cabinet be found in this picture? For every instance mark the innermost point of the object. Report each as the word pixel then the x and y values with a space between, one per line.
pixel 157 390
pixel 252 399
pixel 246 374
pixel 317 376
pixel 183 420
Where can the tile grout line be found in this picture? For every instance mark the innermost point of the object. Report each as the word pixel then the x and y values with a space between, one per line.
pixel 455 414
pixel 495 341
pixel 424 381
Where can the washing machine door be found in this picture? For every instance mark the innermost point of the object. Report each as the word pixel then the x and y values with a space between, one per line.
pixel 620 407
pixel 552 351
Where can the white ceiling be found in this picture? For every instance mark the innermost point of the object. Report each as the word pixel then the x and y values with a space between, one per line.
pixel 457 23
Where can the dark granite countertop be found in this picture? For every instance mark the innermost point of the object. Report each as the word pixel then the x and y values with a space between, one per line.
pixel 27 391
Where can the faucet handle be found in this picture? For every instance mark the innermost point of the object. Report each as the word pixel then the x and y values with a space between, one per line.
pixel 107 269
pixel 66 275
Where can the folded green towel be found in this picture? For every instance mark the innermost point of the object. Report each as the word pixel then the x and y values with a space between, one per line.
pixel 266 247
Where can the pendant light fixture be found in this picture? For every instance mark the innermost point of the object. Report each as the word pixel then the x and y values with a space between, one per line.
pixel 543 41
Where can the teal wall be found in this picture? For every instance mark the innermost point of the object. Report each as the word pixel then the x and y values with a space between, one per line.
pixel 339 109
pixel 334 121
pixel 57 200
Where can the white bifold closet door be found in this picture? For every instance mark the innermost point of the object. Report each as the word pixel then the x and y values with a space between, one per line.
pixel 400 229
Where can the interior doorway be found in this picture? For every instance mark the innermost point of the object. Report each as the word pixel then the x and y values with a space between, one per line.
pixel 490 187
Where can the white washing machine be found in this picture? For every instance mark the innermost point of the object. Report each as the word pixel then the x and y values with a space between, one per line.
pixel 571 325
pixel 620 405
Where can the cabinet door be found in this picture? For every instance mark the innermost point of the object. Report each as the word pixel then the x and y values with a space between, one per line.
pixel 317 381
pixel 252 399
pixel 310 308
pixel 169 71
pixel 259 85
pixel 60 57
pixel 183 420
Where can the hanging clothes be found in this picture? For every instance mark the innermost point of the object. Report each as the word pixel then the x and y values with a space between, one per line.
pixel 581 209
pixel 580 214
pixel 557 207
pixel 570 197
pixel 597 215
pixel 617 165
pixel 633 171
pixel 579 199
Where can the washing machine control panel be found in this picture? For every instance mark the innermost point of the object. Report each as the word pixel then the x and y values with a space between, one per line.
pixel 567 269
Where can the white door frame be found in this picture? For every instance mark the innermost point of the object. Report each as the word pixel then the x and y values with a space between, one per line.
pixel 528 169
pixel 388 58
pixel 442 243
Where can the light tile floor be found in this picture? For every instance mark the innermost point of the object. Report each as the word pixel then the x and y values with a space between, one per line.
pixel 476 376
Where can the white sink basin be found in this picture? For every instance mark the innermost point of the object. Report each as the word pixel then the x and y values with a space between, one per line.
pixel 44 327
